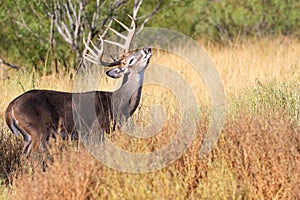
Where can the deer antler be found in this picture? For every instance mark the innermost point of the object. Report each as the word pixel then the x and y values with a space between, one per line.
pixel 96 55
pixel 128 38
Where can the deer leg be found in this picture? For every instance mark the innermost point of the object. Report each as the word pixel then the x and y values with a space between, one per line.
pixel 39 144
pixel 27 142
pixel 27 146
pixel 27 138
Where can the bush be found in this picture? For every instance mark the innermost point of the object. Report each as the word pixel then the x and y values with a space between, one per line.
pixel 224 20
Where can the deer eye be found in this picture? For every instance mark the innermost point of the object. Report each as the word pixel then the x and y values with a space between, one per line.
pixel 132 61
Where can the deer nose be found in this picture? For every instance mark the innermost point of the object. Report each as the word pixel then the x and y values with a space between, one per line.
pixel 147 50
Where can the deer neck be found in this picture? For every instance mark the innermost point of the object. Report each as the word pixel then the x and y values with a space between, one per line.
pixel 127 97
pixel 131 84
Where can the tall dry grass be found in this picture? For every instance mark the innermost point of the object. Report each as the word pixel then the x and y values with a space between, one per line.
pixel 257 156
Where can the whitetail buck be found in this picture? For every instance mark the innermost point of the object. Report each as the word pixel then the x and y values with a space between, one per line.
pixel 41 114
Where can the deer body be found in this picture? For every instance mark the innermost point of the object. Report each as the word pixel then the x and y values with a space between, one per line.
pixel 41 114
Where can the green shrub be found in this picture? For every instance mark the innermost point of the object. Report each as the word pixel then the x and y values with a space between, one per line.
pixel 269 97
pixel 224 20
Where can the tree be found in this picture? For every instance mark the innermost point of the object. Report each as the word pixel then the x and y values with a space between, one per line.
pixel 49 34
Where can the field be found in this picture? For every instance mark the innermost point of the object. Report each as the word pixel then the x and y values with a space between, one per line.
pixel 256 157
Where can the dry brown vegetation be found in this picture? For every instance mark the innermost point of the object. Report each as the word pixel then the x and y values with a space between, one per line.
pixel 257 156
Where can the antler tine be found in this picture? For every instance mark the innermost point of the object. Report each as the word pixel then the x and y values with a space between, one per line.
pixel 96 54
pixel 131 34
pixel 123 25
pixel 117 33
pixel 128 38
pixel 116 43
pixel 96 57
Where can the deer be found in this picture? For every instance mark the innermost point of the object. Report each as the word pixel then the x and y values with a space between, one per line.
pixel 40 114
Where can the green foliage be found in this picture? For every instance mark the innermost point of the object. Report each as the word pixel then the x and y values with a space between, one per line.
pixel 30 40
pixel 222 20
pixel 24 38
pixel 276 97
pixel 26 27
pixel 269 97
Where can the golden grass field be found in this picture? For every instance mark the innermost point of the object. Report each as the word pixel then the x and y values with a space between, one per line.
pixel 257 156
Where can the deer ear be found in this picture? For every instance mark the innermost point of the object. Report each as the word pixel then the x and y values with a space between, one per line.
pixel 115 73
